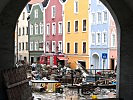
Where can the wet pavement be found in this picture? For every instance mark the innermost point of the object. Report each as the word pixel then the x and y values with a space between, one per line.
pixel 68 94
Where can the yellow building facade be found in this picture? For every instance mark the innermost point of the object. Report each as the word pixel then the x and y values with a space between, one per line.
pixel 76 29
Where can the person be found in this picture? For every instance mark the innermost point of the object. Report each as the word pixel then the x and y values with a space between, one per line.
pixel 33 66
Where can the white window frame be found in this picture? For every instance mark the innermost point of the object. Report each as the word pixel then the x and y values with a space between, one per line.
pixel 104 37
pixel 74 48
pixel 48 29
pixel 59 47
pixel 53 28
pixel 99 22
pixel 53 48
pixel 67 27
pixel 53 14
pixel 31 46
pixel 76 6
pixel 93 39
pixel 105 21
pixel 36 28
pixel 31 29
pixel 47 46
pixel 93 18
pixel 98 40
pixel 36 13
pixel 113 42
pixel 74 26
pixel 82 47
pixel 36 46
pixel 83 25
pixel 60 28
pixel 41 28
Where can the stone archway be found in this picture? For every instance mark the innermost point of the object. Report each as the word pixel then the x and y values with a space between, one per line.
pixel 95 61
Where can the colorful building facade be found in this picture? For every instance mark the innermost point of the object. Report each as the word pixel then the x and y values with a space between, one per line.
pixel 113 44
pixel 76 38
pixel 101 28
pixel 36 25
pixel 53 27
pixel 99 47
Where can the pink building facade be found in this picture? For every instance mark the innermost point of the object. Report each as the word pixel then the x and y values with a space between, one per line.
pixel 54 27
pixel 113 44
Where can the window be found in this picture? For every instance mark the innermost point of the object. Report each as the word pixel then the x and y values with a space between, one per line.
pixel 68 27
pixel 41 45
pixel 53 46
pixel 68 47
pixel 75 6
pixel 47 46
pixel 26 45
pixel 36 28
pixel 36 13
pixel 23 46
pixel 84 47
pixel 113 40
pixel 48 29
pixel 53 28
pixel 19 46
pixel 76 48
pixel 53 12
pixel 99 17
pixel 23 16
pixel 31 29
pixel 19 32
pixel 93 38
pixel 27 30
pixel 31 46
pixel 23 31
pixel 41 28
pixel 84 25
pixel 60 28
pixel 104 37
pixel 36 45
pixel 93 18
pixel 104 16
pixel 98 38
pixel 60 46
pixel 76 26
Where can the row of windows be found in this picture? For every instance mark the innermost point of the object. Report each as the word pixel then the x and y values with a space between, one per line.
pixel 76 26
pixel 76 47
pixel 23 31
pixel 54 47
pixel 99 17
pixel 36 46
pixel 60 28
pixel 23 46
pixel 98 37
pixel 35 29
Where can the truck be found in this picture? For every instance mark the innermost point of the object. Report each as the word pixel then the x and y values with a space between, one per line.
pixel 53 59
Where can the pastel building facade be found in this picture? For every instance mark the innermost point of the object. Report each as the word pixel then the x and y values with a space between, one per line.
pixel 76 38
pixel 22 52
pixel 99 34
pixel 53 27
pixel 113 44
pixel 36 30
